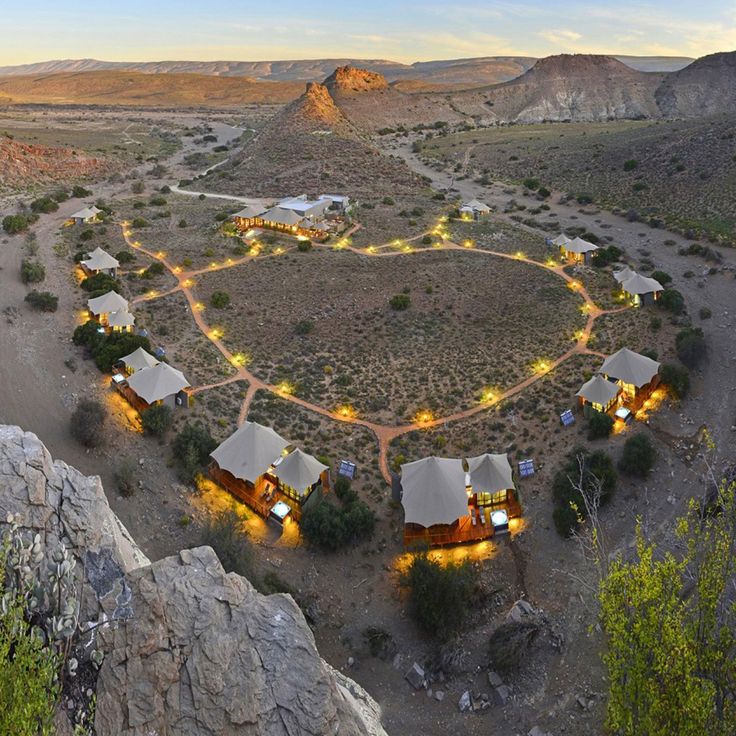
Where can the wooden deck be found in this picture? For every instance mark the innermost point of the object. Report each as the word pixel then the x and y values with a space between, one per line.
pixel 253 496
pixel 131 397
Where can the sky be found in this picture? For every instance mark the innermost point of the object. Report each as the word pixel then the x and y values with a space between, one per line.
pixel 154 30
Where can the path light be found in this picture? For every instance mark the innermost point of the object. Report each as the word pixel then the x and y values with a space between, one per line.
pixel 551 262
pixel 346 411
pixel 519 254
pixel 239 360
pixel 486 396
pixel 423 417
pixel 371 249
pixel 229 261
pixel 160 254
pixel 213 265
pixel 407 249
pixel 278 251
pixel 541 366
pixel 585 308
pixel 152 293
pixel 216 333
pixel 468 243
pixel 254 251
pixel 187 283
pixel 177 269
pixel 199 307
pixel 141 271
pixel 285 388
pixel 574 284
pixel 578 335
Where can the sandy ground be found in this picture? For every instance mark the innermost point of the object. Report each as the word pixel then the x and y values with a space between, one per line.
pixel 353 590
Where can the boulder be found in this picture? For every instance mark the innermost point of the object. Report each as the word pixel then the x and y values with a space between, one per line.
pixel 494 680
pixel 501 694
pixel 189 649
pixel 520 611
pixel 465 703
pixel 416 677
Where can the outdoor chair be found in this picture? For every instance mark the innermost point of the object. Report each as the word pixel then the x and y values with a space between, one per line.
pixel 472 515
pixel 482 515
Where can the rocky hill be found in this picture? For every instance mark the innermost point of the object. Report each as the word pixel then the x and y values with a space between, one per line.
pixel 188 650
pixel 23 164
pixel 705 87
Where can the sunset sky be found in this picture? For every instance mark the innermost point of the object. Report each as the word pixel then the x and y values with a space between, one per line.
pixel 148 30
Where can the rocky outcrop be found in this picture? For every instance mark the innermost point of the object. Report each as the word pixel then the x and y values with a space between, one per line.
pixel 347 79
pixel 188 649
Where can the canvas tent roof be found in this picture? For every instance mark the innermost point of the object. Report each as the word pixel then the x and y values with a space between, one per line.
pixel 599 391
pixel 477 205
pixel 561 239
pixel 139 359
pixel 252 210
pixel 490 473
pixel 299 470
pixel 281 216
pixel 121 318
pixel 157 382
pixel 623 274
pixel 110 302
pixel 86 213
pixel 434 491
pixel 100 259
pixel 630 367
pixel 578 245
pixel 250 451
pixel 638 284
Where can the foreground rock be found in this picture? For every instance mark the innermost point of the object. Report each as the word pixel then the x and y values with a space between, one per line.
pixel 188 648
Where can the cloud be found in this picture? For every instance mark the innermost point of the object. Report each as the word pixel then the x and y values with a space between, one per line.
pixel 560 36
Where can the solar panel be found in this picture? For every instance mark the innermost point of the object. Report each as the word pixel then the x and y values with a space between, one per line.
pixel 567 418
pixel 526 468
pixel 346 469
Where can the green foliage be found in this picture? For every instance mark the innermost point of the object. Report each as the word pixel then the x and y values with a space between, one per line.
pixel 672 300
pixel 638 456
pixel 690 346
pixel 125 256
pixel 388 201
pixel 330 527
pixel 225 534
pixel 631 164
pixel 304 246
pixel 543 192
pixel 157 201
pixel 79 191
pixel 304 327
pixel 88 334
pixel 677 379
pixel 583 470
pixel 14 224
pixel 43 301
pixel 599 425
pixel 605 256
pixel 705 313
pixel 44 205
pixel 400 302
pixel 670 625
pixel 662 276
pixel 220 299
pixel 32 272
pixel 531 183
pixel 100 282
pixel 87 423
pixel 192 448
pixel 156 419
pixel 155 269
pixel 139 222
pixel 110 348
pixel 439 595
pixel 87 234
pixel 125 478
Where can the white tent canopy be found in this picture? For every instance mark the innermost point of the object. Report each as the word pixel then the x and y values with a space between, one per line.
pixel 561 239
pixel 299 471
pixel 138 360
pixel 490 473
pixel 599 391
pixel 624 274
pixel 630 367
pixel 433 491
pixel 476 205
pixel 121 318
pixel 578 245
pixel 99 260
pixel 110 302
pixel 157 382
pixel 638 284
pixel 281 216
pixel 252 210
pixel 250 451
pixel 86 213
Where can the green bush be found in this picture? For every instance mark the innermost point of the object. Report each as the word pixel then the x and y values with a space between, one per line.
pixel 677 379
pixel 125 256
pixel 400 302
pixel 690 346
pixel 139 222
pixel 440 595
pixel 100 282
pixel 225 534
pixel 86 235
pixel 109 349
pixel 44 205
pixel 192 447
pixel 220 299
pixel 32 272
pixel 605 256
pixel 155 269
pixel 387 201
pixel 304 327
pixel 304 246
pixel 672 300
pixel 638 456
pixel 156 419
pixel 543 192
pixel 705 313
pixel 87 423
pixel 43 301
pixel 79 191
pixel 599 425
pixel 14 224
pixel 157 201
pixel 631 164
pixel 662 276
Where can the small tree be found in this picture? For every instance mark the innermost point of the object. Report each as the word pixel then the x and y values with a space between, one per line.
pixel 87 423
pixel 599 425
pixel 673 301
pixel 192 448
pixel 32 272
pixel 662 276
pixel 44 205
pixel 677 379
pixel 14 224
pixel 156 419
pixel 225 534
pixel 400 302
pixel 439 595
pixel 101 282
pixel 220 299
pixel 304 327
pixel 690 345
pixel 43 301
pixel 304 246
pixel 638 456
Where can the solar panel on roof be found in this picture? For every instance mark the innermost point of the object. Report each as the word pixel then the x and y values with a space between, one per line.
pixel 567 418
pixel 526 468
pixel 346 469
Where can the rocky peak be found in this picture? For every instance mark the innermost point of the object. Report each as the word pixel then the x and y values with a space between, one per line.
pixel 347 79
pixel 579 65
pixel 188 649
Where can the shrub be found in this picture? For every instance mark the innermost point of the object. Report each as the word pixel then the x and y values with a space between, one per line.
pixel 43 301
pixel 672 300
pixel 662 276
pixel 139 222
pixel 100 282
pixel 79 191
pixel 109 349
pixel 32 272
pixel 304 246
pixel 677 379
pixel 599 425
pixel 543 192
pixel 225 534
pixel 86 235
pixel 705 313
pixel 531 183
pixel 387 201
pixel 220 299
pixel 156 419
pixel 426 239
pixel 157 201
pixel 638 455
pixel 192 448
pixel 690 346
pixel 439 595
pixel 605 256
pixel 182 223
pixel 631 164
pixel 509 644
pixel 13 224
pixel 88 334
pixel 137 187
pixel 400 302
pixel 124 256
pixel 125 478
pixel 44 205
pixel 155 269
pixel 87 423
pixel 304 327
